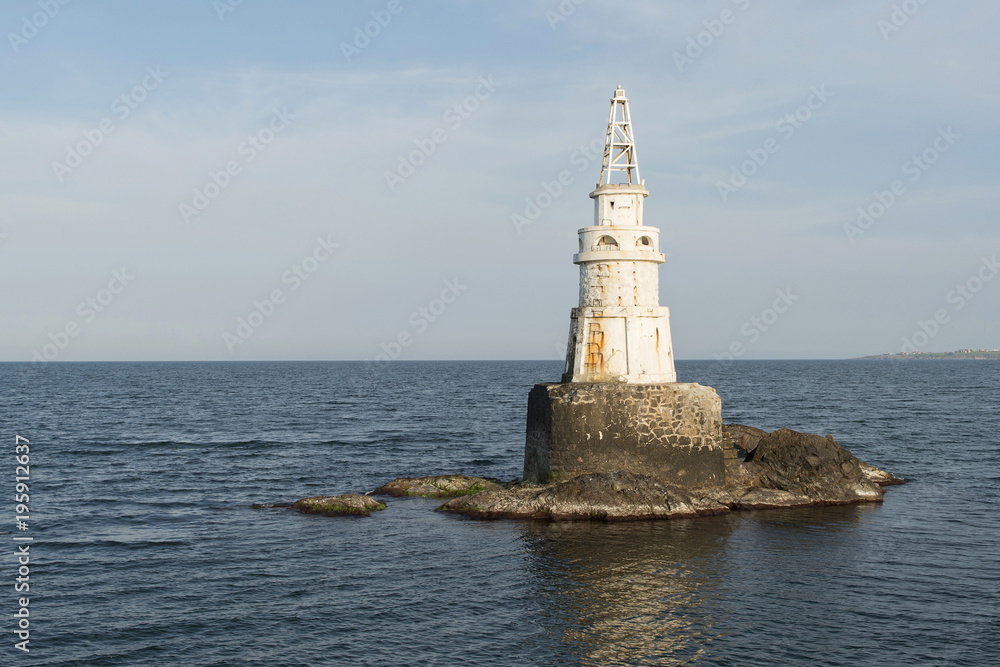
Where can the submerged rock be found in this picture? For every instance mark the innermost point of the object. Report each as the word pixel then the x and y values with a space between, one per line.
pixel 347 504
pixel 879 476
pixel 439 486
pixel 783 469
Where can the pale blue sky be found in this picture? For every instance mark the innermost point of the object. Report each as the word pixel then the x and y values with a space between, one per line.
pixel 887 96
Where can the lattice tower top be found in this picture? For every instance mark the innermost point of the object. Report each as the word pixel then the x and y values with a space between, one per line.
pixel 619 146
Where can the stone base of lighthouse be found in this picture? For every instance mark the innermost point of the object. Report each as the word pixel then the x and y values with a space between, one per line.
pixel 670 431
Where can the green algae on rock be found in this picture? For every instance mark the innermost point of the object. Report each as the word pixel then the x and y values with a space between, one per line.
pixel 347 504
pixel 438 486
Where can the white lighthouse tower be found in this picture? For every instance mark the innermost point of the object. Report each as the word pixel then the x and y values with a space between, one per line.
pixel 619 332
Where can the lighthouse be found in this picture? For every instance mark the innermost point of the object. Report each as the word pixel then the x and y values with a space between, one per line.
pixel 619 407
pixel 619 332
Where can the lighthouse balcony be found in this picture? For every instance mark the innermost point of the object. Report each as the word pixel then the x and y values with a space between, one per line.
pixel 615 253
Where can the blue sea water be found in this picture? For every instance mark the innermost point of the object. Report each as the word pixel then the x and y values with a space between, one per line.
pixel 147 550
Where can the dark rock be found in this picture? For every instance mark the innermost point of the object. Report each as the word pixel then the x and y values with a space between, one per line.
pixel 743 438
pixel 347 504
pixel 811 466
pixel 440 486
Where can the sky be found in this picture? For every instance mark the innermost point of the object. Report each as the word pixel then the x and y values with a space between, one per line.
pixel 225 180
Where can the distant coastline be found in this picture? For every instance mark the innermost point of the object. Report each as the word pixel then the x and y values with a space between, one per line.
pixel 981 355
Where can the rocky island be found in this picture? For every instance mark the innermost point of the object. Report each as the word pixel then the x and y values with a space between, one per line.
pixel 763 471
pixel 781 469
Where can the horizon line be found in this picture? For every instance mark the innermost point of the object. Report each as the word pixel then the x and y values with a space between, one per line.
pixel 394 361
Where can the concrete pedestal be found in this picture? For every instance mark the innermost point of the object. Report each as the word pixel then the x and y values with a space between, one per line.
pixel 670 431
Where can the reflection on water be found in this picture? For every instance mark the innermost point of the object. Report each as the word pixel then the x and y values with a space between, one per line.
pixel 661 592
pixel 620 592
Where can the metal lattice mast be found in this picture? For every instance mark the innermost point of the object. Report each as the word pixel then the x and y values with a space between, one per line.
pixel 619 145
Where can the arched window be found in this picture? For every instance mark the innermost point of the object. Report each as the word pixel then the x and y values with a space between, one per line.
pixel 644 243
pixel 608 242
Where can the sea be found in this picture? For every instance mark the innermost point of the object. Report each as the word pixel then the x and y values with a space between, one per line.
pixel 146 547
